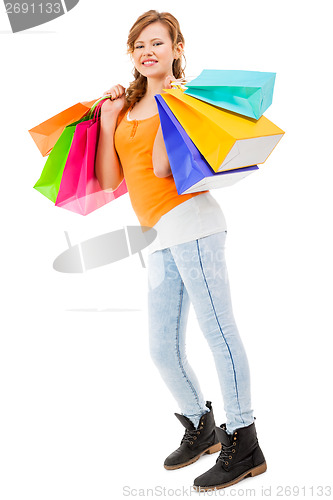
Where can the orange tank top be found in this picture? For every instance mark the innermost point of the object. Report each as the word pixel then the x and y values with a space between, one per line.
pixel 151 196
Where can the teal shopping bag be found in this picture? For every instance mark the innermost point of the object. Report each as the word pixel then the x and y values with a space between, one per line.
pixel 248 93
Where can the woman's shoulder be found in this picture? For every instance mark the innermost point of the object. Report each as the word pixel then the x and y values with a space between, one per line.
pixel 121 115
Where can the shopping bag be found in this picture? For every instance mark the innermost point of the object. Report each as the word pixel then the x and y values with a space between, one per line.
pixel 47 133
pixel 227 140
pixel 190 170
pixel 248 93
pixel 50 178
pixel 80 190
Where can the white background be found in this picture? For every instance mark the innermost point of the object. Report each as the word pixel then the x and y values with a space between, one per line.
pixel 84 411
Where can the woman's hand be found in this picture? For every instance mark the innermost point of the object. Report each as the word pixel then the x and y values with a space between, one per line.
pixel 167 82
pixel 116 102
pixel 169 79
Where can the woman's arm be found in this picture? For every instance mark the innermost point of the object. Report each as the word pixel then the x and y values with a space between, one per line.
pixel 108 170
pixel 160 157
pixel 161 163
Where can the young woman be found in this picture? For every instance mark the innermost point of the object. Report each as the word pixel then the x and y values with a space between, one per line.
pixel 186 261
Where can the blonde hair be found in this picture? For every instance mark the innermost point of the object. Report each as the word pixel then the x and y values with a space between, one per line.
pixel 138 87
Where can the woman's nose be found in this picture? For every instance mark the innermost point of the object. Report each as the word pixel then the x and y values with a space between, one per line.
pixel 147 51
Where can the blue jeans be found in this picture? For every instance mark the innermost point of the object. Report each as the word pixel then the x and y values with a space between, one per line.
pixel 196 272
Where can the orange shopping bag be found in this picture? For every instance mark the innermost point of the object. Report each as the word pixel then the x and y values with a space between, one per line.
pixel 47 133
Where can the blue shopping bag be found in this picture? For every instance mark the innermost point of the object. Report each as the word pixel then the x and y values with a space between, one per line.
pixel 190 170
pixel 248 93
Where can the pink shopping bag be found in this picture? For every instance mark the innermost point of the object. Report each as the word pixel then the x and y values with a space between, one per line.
pixel 79 190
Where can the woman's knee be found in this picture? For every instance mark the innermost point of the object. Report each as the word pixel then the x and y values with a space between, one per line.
pixel 163 354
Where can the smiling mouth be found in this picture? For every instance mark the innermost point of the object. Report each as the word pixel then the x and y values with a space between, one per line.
pixel 149 63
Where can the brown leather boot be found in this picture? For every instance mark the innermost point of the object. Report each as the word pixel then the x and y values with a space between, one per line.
pixel 195 442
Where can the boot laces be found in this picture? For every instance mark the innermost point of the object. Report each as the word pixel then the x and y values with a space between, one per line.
pixel 189 436
pixel 224 455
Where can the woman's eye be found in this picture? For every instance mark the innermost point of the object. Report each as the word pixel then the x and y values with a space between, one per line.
pixel 140 46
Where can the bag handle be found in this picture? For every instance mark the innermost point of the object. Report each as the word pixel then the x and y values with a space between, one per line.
pixel 97 109
pixel 181 82
pixel 94 110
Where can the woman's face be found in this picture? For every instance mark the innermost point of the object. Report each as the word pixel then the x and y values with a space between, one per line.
pixel 153 53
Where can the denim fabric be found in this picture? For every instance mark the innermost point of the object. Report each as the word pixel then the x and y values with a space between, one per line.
pixel 196 272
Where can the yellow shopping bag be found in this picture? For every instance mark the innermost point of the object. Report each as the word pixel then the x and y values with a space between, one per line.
pixel 227 140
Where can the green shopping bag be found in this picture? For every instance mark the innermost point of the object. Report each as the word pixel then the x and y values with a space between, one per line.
pixel 48 183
